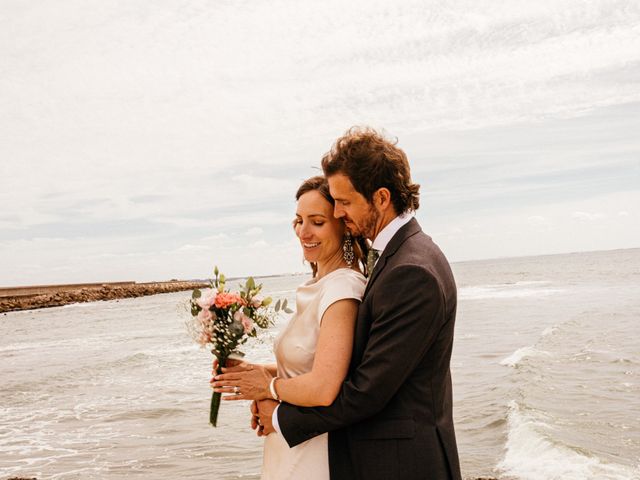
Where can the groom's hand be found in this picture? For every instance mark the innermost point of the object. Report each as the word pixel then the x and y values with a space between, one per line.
pixel 265 410
pixel 255 418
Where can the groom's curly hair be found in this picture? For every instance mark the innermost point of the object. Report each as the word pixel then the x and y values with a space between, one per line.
pixel 372 161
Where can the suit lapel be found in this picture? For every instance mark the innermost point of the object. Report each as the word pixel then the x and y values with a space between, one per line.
pixel 411 228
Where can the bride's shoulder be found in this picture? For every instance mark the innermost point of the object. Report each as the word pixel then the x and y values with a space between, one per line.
pixel 349 275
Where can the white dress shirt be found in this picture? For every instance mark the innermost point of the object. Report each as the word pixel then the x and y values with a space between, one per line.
pixel 386 234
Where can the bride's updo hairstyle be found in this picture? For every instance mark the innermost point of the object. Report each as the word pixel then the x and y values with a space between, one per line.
pixel 320 185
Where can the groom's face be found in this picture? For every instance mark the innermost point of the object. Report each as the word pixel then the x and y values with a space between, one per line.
pixel 359 216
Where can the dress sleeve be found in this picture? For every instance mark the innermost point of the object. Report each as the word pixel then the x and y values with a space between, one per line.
pixel 347 285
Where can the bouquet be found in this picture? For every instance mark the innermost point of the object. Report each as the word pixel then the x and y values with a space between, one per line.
pixel 225 320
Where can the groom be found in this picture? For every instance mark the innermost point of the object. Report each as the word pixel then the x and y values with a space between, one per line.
pixel 393 416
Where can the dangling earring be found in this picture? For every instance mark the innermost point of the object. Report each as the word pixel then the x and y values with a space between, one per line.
pixel 347 250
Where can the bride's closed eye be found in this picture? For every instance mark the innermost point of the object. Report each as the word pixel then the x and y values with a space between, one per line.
pixel 298 221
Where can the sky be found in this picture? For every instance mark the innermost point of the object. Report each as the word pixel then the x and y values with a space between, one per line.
pixel 153 140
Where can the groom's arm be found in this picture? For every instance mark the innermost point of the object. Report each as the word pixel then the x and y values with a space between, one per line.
pixel 409 311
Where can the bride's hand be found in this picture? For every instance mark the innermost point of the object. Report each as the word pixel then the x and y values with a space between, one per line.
pixel 245 382
pixel 230 363
pixel 234 365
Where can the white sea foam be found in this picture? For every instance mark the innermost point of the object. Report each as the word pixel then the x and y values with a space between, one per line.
pixel 507 290
pixel 516 357
pixel 533 454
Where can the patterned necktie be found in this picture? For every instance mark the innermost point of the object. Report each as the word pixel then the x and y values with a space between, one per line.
pixel 372 257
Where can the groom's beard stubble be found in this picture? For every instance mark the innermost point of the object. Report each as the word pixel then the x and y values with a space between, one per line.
pixel 367 227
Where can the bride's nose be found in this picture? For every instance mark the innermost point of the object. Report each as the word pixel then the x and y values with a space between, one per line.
pixel 303 231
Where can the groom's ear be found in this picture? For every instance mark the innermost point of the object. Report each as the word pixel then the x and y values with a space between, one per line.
pixel 382 199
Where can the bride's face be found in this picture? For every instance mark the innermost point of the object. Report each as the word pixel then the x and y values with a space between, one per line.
pixel 320 233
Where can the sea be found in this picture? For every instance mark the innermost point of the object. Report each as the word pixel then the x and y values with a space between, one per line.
pixel 546 378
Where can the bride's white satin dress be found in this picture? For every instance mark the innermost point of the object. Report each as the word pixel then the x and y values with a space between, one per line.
pixel 295 349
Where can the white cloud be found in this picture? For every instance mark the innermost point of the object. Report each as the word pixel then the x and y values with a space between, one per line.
pixel 259 244
pixel 192 248
pixel 254 231
pixel 537 221
pixel 587 216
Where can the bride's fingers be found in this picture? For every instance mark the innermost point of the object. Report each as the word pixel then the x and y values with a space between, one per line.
pixel 243 367
pixel 221 382
pixel 223 389
pixel 238 396
pixel 227 377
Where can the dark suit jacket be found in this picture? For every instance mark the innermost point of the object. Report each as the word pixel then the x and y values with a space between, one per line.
pixel 393 416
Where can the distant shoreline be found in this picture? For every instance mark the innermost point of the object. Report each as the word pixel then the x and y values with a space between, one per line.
pixel 45 296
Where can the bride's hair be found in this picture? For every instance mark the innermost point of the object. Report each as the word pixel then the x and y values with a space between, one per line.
pixel 360 248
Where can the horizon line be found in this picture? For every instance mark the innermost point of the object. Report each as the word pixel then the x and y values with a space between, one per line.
pixel 284 274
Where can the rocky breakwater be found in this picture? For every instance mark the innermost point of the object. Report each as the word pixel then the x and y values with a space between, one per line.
pixel 26 298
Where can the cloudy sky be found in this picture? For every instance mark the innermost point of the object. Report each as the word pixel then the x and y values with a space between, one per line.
pixel 151 140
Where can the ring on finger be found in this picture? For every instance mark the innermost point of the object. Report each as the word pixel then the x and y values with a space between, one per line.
pixel 236 390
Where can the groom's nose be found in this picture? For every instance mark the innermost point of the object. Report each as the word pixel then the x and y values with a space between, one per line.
pixel 338 211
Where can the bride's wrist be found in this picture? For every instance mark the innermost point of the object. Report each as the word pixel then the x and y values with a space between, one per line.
pixel 272 389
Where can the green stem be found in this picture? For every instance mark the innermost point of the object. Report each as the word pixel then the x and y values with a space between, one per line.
pixel 215 406
pixel 215 397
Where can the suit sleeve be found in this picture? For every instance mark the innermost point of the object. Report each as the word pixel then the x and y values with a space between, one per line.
pixel 408 312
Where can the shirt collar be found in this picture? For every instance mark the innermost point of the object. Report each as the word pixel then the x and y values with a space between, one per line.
pixel 387 233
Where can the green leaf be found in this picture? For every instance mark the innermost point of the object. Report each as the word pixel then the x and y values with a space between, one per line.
pixel 223 279
pixel 251 284
pixel 277 307
pixel 196 293
pixel 267 301
pixel 288 310
pixel 284 304
pixel 216 271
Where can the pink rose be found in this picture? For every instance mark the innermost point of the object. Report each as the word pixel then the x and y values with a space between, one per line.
pixel 256 302
pixel 207 299
pixel 204 316
pixel 247 323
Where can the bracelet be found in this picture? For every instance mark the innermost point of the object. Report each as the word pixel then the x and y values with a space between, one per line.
pixel 272 388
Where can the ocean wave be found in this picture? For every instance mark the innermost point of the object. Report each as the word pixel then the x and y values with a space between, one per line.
pixel 604 356
pixel 516 357
pixel 507 290
pixel 143 413
pixel 63 343
pixel 533 454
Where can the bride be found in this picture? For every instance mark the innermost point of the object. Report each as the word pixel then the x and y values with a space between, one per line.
pixel 313 351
